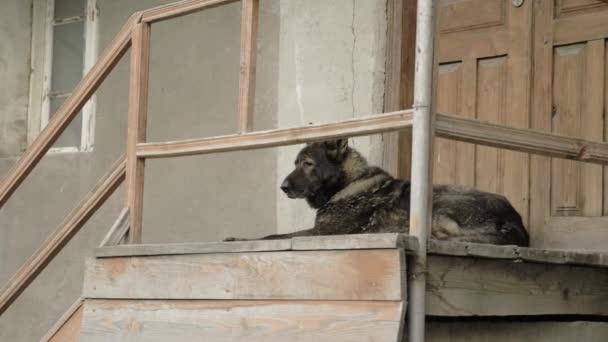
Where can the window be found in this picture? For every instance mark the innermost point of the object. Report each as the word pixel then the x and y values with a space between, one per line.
pixel 70 50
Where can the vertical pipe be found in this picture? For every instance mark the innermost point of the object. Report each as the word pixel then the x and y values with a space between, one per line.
pixel 422 149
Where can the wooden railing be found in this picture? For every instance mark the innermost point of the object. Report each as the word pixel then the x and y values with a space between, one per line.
pixel 136 34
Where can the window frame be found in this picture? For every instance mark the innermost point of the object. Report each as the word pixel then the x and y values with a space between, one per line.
pixel 43 26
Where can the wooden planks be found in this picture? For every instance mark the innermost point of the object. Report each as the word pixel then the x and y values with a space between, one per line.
pixel 297 275
pixel 334 242
pixel 472 287
pixel 179 8
pixel 63 234
pixel 67 328
pixel 249 33
pixel 519 254
pixel 136 131
pixel 523 140
pixel 279 137
pixel 246 321
pixel 68 111
pixel 577 232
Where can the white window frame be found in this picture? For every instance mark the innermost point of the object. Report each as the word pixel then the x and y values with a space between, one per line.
pixel 40 80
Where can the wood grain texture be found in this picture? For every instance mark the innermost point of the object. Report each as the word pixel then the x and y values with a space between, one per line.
pixel 67 328
pixel 118 230
pixel 249 34
pixel 510 331
pixel 392 81
pixel 246 321
pixel 333 242
pixel 523 140
pixel 180 8
pixel 136 130
pixel 576 232
pixel 279 137
pixel 193 248
pixel 470 287
pixel 68 110
pixel 519 254
pixel 62 234
pixel 356 241
pixel 302 275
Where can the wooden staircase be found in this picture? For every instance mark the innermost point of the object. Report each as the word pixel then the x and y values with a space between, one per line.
pixel 340 288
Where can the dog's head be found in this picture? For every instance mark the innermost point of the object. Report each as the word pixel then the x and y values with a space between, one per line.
pixel 318 169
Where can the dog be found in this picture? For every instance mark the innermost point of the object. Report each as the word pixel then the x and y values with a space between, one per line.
pixel 352 197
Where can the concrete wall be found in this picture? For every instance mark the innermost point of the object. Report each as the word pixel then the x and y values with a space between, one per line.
pixel 15 33
pixel 331 67
pixel 318 61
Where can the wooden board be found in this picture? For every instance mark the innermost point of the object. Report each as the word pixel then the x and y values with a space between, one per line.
pixel 305 275
pixel 470 287
pixel 246 321
pixel 516 331
pixel 575 232
pixel 354 241
pixel 519 254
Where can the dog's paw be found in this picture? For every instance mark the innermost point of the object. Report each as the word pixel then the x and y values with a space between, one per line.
pixel 231 239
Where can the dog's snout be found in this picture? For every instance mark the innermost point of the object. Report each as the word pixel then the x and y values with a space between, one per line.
pixel 285 186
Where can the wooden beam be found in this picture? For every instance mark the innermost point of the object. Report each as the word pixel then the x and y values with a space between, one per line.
pixel 461 287
pixel 242 321
pixel 63 234
pixel 519 254
pixel 364 274
pixel 522 140
pixel 311 243
pixel 68 111
pixel 180 8
pixel 278 137
pixel 249 33
pixel 392 81
pixel 118 230
pixel 67 328
pixel 136 131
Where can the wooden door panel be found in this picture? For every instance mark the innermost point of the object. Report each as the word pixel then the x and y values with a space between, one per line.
pixel 578 77
pixel 453 159
pixel 483 73
pixel 577 7
pixel 456 15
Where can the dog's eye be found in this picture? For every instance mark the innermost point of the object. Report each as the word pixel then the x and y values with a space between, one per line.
pixel 308 163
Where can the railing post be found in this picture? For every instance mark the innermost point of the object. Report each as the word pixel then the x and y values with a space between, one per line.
pixel 136 131
pixel 249 32
pixel 422 150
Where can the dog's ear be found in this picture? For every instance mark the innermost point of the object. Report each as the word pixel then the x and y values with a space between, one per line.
pixel 336 149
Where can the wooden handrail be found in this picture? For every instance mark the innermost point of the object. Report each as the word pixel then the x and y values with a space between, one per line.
pixel 278 137
pixel 68 111
pixel 180 8
pixel 249 33
pixel 522 140
pixel 63 234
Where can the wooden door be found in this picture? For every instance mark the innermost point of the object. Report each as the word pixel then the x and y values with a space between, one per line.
pixel 484 72
pixel 569 92
pixel 541 64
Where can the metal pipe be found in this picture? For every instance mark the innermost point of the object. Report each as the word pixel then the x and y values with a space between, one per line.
pixel 422 150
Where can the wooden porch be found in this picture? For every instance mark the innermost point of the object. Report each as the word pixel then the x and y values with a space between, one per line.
pixel 340 288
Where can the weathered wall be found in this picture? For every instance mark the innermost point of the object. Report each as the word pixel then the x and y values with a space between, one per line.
pixel 194 87
pixel 318 61
pixel 15 33
pixel 331 67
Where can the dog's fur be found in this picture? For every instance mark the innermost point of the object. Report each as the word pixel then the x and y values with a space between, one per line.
pixel 352 197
